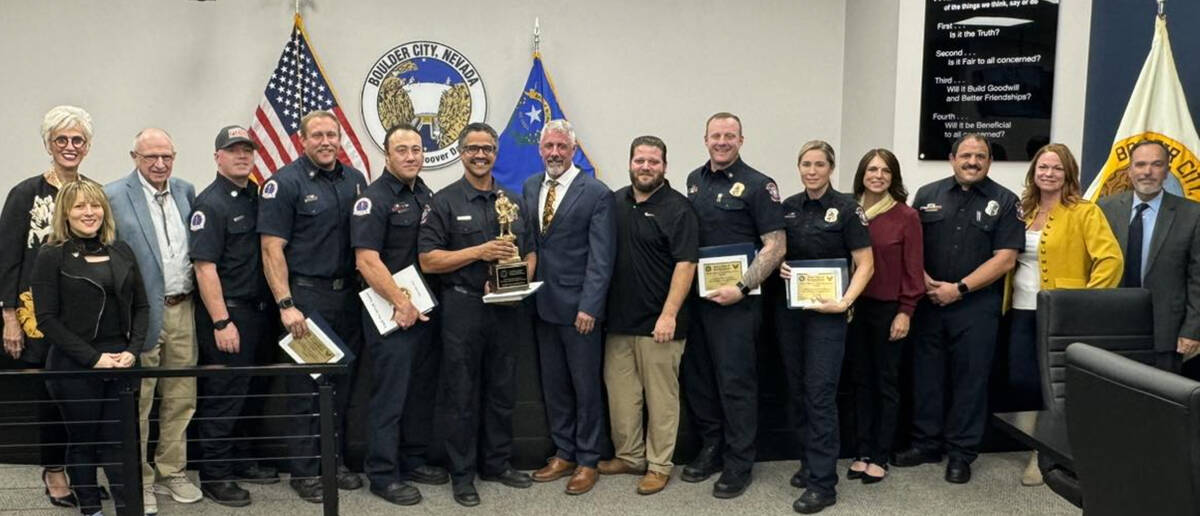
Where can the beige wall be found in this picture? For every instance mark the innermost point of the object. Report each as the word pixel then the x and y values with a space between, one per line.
pixel 621 68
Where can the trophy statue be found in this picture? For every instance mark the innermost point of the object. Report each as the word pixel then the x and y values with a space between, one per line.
pixel 512 273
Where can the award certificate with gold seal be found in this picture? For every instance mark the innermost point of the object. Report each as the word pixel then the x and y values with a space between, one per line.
pixel 814 281
pixel 316 347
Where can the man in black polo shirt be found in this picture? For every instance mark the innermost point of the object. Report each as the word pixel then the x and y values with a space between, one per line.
pixel 304 223
pixel 973 231
pixel 235 328
pixel 479 366
pixel 383 232
pixel 735 204
pixel 657 240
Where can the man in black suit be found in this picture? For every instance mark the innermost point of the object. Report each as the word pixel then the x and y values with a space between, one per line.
pixel 572 214
pixel 1160 234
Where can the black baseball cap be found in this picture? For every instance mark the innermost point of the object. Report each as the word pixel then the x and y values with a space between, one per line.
pixel 232 134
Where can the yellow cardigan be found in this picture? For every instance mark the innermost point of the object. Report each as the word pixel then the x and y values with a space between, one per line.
pixel 1077 250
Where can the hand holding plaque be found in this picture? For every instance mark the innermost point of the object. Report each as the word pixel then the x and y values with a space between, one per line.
pixel 813 283
pixel 511 273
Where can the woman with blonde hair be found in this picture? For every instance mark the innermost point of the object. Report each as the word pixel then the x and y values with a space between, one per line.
pixel 92 308
pixel 1068 244
pixel 24 226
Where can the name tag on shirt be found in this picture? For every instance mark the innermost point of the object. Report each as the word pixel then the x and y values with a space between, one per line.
pixel 463 218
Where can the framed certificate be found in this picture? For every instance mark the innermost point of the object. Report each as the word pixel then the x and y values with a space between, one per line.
pixel 319 346
pixel 815 280
pixel 723 265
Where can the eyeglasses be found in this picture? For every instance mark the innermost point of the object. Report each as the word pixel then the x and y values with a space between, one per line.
pixel 150 159
pixel 480 149
pixel 62 141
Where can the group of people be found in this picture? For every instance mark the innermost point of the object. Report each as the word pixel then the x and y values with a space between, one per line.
pixel 109 278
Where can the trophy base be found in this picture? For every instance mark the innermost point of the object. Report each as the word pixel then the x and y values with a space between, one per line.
pixel 509 277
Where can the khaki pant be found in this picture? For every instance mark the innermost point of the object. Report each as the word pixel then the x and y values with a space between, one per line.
pixel 176 348
pixel 637 370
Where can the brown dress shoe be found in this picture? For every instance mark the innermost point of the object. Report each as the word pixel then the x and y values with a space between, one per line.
pixel 554 469
pixel 582 481
pixel 618 467
pixel 652 482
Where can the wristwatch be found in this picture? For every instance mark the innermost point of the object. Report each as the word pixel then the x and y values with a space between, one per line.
pixel 742 287
pixel 286 303
pixel 222 324
pixel 962 288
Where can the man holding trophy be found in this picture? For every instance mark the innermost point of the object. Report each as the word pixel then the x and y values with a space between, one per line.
pixel 473 232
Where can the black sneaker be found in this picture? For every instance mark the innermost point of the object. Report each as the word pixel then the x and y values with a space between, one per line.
pixel 731 485
pixel 812 502
pixel 958 471
pixel 226 493
pixel 707 462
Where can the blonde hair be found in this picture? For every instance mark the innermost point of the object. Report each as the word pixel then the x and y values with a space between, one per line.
pixel 1070 189
pixel 61 118
pixel 820 145
pixel 91 191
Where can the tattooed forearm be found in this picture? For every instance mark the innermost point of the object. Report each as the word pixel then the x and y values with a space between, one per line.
pixel 768 259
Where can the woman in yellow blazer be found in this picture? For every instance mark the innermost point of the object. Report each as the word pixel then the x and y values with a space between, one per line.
pixel 1068 244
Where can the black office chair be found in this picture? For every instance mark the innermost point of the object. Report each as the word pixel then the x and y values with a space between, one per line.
pixel 1135 435
pixel 1119 320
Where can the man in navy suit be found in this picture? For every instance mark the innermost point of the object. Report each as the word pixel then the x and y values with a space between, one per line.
pixel 572 216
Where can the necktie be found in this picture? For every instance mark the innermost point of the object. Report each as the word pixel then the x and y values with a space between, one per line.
pixel 161 199
pixel 548 209
pixel 1133 249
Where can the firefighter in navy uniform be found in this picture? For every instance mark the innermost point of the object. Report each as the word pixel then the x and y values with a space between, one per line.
pixel 478 375
pixel 235 328
pixel 383 231
pixel 973 230
pixel 735 204
pixel 304 223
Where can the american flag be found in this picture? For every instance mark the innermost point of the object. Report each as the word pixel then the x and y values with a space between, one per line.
pixel 297 86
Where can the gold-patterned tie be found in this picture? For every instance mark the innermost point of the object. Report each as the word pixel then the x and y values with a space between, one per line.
pixel 548 209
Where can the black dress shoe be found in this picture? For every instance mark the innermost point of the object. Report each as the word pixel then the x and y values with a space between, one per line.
pixel 510 478
pixel 812 502
pixel 915 457
pixel 347 480
pixel 731 485
pixel 958 471
pixel 226 493
pixel 256 474
pixel 466 496
pixel 59 501
pixel 800 478
pixel 703 466
pixel 309 489
pixel 399 493
pixel 430 475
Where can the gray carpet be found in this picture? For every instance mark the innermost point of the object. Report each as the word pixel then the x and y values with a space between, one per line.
pixel 921 491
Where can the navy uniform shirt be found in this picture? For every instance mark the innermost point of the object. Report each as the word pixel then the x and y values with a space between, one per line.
pixel 223 232
pixel 963 228
pixel 464 217
pixel 310 208
pixel 387 218
pixel 735 205
pixel 829 227
pixel 652 236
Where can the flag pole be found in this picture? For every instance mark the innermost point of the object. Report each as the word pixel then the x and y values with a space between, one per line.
pixel 297 7
pixel 537 34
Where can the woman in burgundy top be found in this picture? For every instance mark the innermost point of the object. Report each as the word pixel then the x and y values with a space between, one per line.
pixel 882 314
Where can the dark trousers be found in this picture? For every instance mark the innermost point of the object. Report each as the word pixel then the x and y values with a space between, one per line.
pixel 93 443
pixel 403 387
pixel 812 346
pixel 478 382
pixel 876 377
pixel 953 349
pixel 572 385
pixel 1020 385
pixel 51 433
pixel 720 377
pixel 222 399
pixel 341 309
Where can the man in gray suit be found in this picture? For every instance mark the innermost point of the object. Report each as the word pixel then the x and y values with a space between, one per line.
pixel 1160 234
pixel 151 210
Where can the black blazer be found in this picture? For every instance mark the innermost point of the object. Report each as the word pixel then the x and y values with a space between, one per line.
pixel 68 306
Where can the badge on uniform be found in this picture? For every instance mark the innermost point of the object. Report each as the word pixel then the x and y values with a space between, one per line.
pixel 790 215
pixel 270 189
pixel 648 214
pixel 831 215
pixel 693 189
pixel 197 221
pixel 931 207
pixel 310 198
pixel 862 215
pixel 463 218
pixel 737 189
pixel 773 191
pixel 362 207
pixel 992 208
pixel 400 207
pixel 425 213
pixel 233 193
pixel 239 218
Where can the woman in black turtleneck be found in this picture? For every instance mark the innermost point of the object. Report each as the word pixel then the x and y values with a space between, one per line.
pixel 92 308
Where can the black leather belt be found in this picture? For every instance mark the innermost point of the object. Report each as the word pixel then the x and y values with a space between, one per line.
pixel 323 283
pixel 176 299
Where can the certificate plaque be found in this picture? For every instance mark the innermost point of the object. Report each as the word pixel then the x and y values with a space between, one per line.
pixel 815 281
pixel 319 346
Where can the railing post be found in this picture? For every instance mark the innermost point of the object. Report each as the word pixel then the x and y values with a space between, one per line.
pixel 131 457
pixel 329 488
